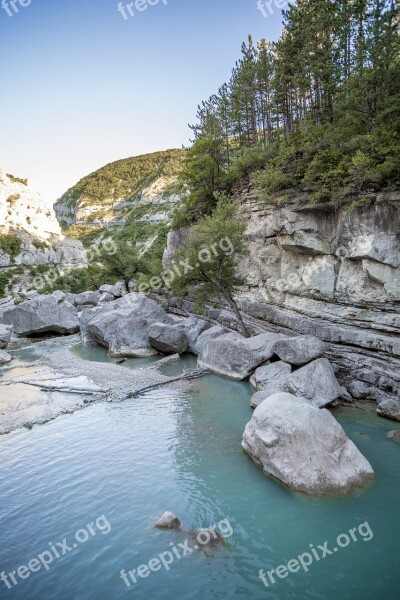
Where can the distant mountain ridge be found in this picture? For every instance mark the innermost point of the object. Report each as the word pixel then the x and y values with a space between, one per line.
pixel 108 194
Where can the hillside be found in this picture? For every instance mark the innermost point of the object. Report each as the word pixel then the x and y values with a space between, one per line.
pixel 108 195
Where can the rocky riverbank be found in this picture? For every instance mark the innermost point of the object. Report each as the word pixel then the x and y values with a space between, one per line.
pixel 291 435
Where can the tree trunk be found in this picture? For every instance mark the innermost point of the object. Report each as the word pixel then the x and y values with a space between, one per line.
pixel 238 316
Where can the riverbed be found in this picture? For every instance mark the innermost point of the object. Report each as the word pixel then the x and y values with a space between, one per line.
pixel 118 465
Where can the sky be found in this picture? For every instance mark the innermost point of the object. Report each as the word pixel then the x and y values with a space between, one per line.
pixel 82 86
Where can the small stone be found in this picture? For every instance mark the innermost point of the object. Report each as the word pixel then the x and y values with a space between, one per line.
pixel 168 521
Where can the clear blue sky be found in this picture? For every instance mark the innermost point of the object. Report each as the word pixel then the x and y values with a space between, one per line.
pixel 81 86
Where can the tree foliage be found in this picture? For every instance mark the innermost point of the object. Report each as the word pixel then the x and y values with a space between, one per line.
pixel 318 111
pixel 210 253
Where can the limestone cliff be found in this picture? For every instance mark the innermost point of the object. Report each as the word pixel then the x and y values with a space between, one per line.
pixel 328 270
pixel 30 235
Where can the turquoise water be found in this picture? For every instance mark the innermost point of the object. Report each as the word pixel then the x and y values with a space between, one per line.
pixel 180 451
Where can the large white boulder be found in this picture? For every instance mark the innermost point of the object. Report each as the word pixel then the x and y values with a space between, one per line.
pixel 44 314
pixel 315 382
pixel 272 376
pixel 122 326
pixel 196 345
pixel 170 339
pixel 304 447
pixel 235 356
pixel 300 350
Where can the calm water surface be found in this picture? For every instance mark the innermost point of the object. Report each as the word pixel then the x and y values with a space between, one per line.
pixel 180 451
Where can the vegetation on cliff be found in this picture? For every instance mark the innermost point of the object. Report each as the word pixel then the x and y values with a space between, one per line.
pixel 316 113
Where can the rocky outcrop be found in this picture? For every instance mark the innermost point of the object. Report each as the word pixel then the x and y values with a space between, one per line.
pixel 44 314
pixel 169 339
pixel 304 447
pixel 123 326
pixel 333 273
pixel 235 356
pixel 24 209
pixel 30 236
pixel 328 271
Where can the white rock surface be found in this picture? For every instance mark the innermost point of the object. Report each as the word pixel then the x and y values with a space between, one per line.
pixel 304 447
pixel 42 315
pixel 300 350
pixel 315 382
pixel 272 376
pixel 122 326
pixel 237 357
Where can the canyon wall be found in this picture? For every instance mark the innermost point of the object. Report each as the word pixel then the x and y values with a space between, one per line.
pixel 328 270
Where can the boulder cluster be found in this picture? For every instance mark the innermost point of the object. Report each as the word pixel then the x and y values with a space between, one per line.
pixel 291 435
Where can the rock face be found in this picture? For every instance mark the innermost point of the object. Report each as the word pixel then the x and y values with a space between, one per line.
pixel 235 356
pixel 315 382
pixel 122 326
pixel 4 357
pixel 169 339
pixel 304 447
pixel 330 272
pixel 300 350
pixel 25 215
pixel 272 377
pixel 44 314
pixel 23 208
pixel 5 336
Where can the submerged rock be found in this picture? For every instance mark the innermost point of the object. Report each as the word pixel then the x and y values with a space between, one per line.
pixel 300 350
pixel 304 447
pixel 316 382
pixel 169 339
pixel 394 435
pixel 272 376
pixel 44 314
pixel 237 357
pixel 168 521
pixel 5 336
